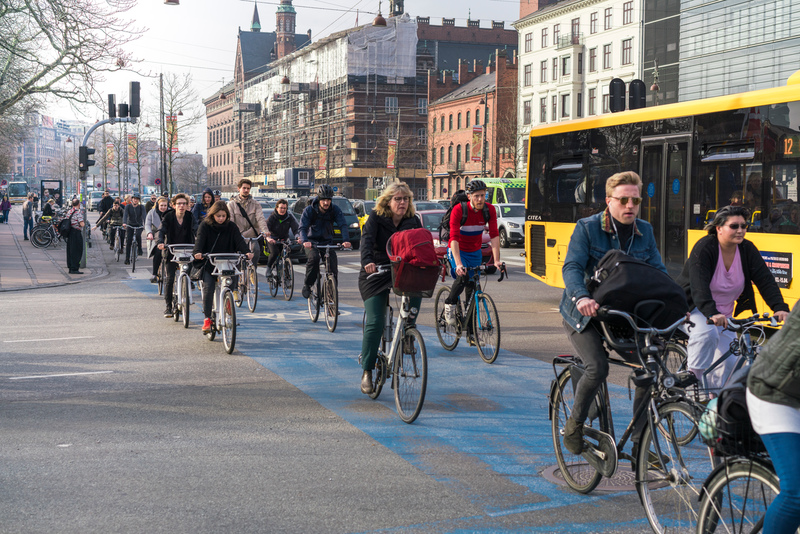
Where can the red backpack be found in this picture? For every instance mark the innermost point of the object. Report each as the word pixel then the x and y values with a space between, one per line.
pixel 415 266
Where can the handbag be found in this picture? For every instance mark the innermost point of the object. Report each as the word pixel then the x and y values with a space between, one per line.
pixel 196 269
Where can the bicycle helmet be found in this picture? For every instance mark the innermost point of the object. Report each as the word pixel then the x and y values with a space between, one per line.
pixel 217 193
pixel 324 191
pixel 476 185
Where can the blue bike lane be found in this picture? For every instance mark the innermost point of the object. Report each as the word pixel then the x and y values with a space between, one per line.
pixel 477 418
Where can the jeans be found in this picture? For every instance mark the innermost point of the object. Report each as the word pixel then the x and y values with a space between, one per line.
pixel 468 260
pixel 375 308
pixel 783 515
pixel 5 216
pixel 209 286
pixel 27 227
pixel 312 266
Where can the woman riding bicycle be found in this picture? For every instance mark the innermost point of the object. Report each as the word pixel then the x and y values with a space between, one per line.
pixel 773 401
pixel 394 211
pixel 217 234
pixel 176 229
pixel 717 277
pixel 152 224
pixel 278 224
pixel 200 210
pixel 114 216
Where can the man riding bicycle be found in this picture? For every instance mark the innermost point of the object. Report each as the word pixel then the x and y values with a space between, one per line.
pixel 316 227
pixel 615 228
pixel 134 215
pixel 248 216
pixel 278 224
pixel 464 247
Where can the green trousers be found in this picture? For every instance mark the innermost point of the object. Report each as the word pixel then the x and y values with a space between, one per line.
pixel 375 307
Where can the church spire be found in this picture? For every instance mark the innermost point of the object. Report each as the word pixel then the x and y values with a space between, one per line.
pixel 255 26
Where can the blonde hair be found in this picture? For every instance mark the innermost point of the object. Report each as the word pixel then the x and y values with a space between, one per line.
pixel 382 202
pixel 622 178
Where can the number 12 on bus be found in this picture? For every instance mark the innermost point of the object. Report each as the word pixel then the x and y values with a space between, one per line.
pixel 694 158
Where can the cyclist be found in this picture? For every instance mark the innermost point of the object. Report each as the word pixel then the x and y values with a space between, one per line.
pixel 201 209
pixel 464 247
pixel 717 278
pixel 105 204
pixel 114 218
pixel 217 195
pixel 152 224
pixel 134 216
pixel 617 227
pixel 316 226
pixel 151 203
pixel 393 212
pixel 773 401
pixel 176 229
pixel 246 213
pixel 216 234
pixel 279 223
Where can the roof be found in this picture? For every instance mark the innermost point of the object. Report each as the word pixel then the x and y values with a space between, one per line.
pixel 481 85
pixel 257 48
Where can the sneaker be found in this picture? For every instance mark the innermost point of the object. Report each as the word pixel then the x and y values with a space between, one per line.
pixel 25 239
pixel 206 325
pixel 127 262
pixel 573 436
pixel 168 311
pixel 154 280
pixel 450 314
pixel 306 292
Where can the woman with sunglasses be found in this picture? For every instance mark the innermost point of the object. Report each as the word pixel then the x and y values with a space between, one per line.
pixel 718 278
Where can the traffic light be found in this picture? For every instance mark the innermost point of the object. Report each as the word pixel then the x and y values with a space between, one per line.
pixel 112 107
pixel 637 94
pixel 83 158
pixel 617 95
pixel 134 97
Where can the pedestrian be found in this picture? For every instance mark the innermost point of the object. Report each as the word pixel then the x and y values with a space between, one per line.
pixel 35 201
pixel 27 216
pixel 75 239
pixel 5 207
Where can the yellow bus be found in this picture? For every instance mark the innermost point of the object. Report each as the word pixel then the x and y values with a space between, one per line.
pixel 693 157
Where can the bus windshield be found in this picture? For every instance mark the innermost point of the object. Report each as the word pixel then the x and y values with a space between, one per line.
pixel 17 189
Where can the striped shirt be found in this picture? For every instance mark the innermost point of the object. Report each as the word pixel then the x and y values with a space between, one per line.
pixel 75 217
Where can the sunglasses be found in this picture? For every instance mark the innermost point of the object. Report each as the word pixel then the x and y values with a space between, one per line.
pixel 401 199
pixel 624 200
pixel 736 226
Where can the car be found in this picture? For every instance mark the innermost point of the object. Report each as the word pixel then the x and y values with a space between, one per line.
pixel 511 224
pixel 363 209
pixel 444 202
pixel 297 252
pixel 427 205
pixel 267 206
pixel 350 217
pixel 94 200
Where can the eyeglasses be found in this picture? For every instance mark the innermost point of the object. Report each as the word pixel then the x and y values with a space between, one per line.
pixel 180 203
pixel 401 199
pixel 624 200
pixel 736 226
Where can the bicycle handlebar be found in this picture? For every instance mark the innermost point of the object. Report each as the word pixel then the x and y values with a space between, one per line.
pixel 737 325
pixel 379 270
pixel 605 311
pixel 338 247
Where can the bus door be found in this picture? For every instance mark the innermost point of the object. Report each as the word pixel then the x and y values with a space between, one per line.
pixel 664 196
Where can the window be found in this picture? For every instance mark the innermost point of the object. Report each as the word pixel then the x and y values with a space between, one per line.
pixel 580 62
pixel 458 154
pixel 565 106
pixel 556 33
pixel 526 112
pixel 422 106
pixel 458 121
pixel 477 117
pixel 592 60
pixel 434 125
pixel 441 155
pixel 391 104
pixel 526 78
pixel 607 19
pixel 555 69
pixel 422 135
pixel 554 113
pixel 627 46
pixel 606 103
pixel 528 41
pixel 442 124
pixel 450 154
pixel 467 156
pixel 542 110
pixel 543 72
pixel 627 12
pixel 579 105
pixel 450 122
pixel 576 30
pixel 486 114
pixel 433 156
pixel 607 56
pixel 566 65
pixel 468 118
pixel 592 101
pixel 593 22
pixel 544 37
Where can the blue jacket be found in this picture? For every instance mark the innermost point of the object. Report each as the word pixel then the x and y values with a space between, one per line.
pixel 317 227
pixel 591 239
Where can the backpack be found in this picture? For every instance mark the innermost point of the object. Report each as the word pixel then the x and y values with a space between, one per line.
pixel 725 425
pixel 459 197
pixel 65 226
pixel 415 266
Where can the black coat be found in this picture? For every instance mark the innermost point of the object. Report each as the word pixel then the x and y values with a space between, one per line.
pixel 172 233
pixel 695 278
pixel 377 231
pixel 279 226
pixel 216 238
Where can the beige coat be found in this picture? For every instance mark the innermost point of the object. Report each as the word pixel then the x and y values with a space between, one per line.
pixel 254 212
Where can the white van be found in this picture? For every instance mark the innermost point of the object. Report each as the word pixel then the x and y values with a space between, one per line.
pixel 94 199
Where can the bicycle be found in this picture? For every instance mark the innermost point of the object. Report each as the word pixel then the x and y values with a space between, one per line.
pixel 671 461
pixel 46 234
pixel 133 250
pixel 325 294
pixel 182 285
pixel 223 313
pixel 284 272
pixel 480 321
pixel 248 289
pixel 117 247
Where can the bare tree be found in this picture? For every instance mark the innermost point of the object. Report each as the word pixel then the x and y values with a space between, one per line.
pixel 180 102
pixel 190 173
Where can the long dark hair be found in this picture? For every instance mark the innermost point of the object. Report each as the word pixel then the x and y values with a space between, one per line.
pixel 218 206
pixel 722 216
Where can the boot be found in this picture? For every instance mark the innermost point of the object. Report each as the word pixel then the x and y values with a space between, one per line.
pixel 573 436
pixel 366 383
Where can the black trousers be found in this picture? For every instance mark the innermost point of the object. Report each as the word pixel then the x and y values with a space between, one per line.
pixel 129 239
pixel 169 282
pixel 275 250
pixel 74 249
pixel 157 255
pixel 312 266
pixel 209 285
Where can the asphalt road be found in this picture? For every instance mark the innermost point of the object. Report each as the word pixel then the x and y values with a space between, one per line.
pixel 115 419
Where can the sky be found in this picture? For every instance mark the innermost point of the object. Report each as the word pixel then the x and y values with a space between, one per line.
pixel 199 37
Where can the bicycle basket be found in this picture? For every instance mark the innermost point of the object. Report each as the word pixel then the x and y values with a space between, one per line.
pixel 414 280
pixel 730 434
pixel 415 267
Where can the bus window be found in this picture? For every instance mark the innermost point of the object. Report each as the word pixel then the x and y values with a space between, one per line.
pixel 784 211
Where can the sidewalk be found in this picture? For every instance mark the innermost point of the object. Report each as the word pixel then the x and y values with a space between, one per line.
pixel 23 266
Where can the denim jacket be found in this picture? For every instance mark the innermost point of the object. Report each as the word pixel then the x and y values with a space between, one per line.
pixel 591 239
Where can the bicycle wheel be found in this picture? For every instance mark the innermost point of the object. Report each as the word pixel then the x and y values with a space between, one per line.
pixel 133 253
pixel 674 357
pixel 410 375
pixel 486 328
pixel 162 273
pixel 331 303
pixel 737 497
pixel 241 289
pixel 288 279
pixel 228 321
pixel 176 302
pixel 314 302
pixel 213 332
pixel 448 335
pixel 117 245
pixel 274 281
pixel 379 375
pixel 252 288
pixel 186 289
pixel 670 485
pixel 575 471
pixel 41 238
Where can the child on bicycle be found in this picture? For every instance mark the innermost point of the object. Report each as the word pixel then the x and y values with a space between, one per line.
pixel 279 223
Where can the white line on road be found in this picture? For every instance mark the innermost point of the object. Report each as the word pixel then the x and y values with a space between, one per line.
pixel 50 339
pixel 64 374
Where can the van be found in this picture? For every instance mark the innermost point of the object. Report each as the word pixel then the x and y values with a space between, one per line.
pixel 94 200
pixel 505 190
pixel 350 217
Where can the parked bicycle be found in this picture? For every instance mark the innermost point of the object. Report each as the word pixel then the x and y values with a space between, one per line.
pixel 182 286
pixel 223 313
pixel 284 272
pixel 480 321
pixel 133 250
pixel 46 234
pixel 248 283
pixel 325 293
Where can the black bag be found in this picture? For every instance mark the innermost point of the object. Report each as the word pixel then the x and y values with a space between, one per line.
pixel 65 227
pixel 621 282
pixel 726 425
pixel 196 269
pixel 459 197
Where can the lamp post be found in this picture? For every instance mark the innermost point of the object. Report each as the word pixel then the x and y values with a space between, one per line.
pixel 485 102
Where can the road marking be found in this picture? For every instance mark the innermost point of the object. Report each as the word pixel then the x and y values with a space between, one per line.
pixel 59 375
pixel 51 339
